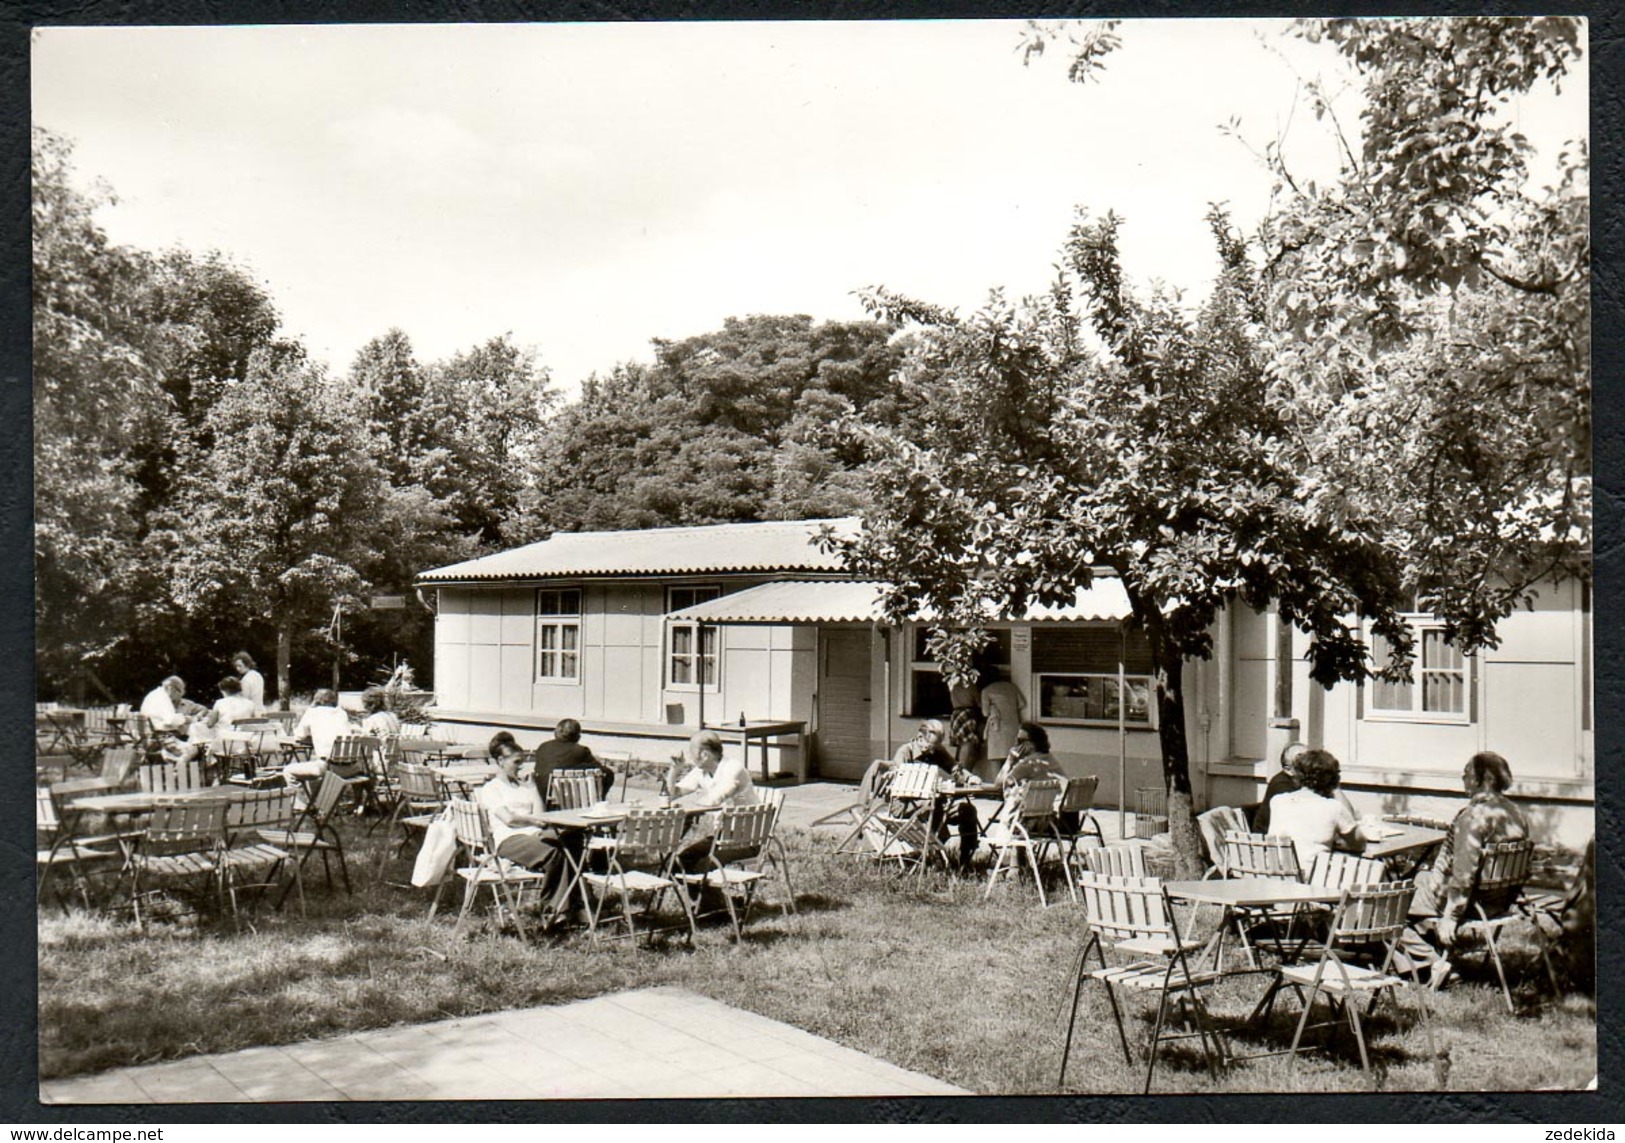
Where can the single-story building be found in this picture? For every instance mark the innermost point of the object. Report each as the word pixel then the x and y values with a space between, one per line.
pixel 645 636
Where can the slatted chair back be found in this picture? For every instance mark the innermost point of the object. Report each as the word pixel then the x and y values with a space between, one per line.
pixel 188 826
pixel 166 777
pixel 327 797
pixel 648 837
pixel 1503 867
pixel 1345 870
pixel 915 781
pixel 1371 914
pixel 573 789
pixel 1214 824
pixel 260 809
pixel 1255 855
pixel 354 752
pixel 876 783
pixel 742 831
pixel 47 820
pixel 472 826
pixel 138 729
pixel 117 762
pixel 1125 908
pixel 1116 860
pixel 770 796
pixel 1039 798
pixel 1078 796
pixel 418 783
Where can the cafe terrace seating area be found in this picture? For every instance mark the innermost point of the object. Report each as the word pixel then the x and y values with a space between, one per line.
pixel 224 841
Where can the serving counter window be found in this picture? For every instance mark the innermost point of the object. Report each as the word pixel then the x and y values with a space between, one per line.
pixel 1075 675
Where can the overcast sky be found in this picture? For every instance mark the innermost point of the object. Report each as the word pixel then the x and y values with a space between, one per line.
pixel 590 186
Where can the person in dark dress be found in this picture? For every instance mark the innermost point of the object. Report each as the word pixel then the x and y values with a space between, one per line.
pixel 1284 782
pixel 565 752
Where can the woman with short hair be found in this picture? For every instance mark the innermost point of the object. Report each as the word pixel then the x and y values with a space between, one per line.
pixel 1316 816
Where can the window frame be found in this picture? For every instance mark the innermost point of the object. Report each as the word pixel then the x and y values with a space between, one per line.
pixel 558 621
pixel 1132 680
pixel 1420 624
pixel 698 655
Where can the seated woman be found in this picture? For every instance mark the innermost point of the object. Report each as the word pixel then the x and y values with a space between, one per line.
pixel 515 808
pixel 1443 890
pixel 377 720
pixel 1030 759
pixel 1317 816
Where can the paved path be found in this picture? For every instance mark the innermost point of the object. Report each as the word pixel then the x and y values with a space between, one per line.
pixel 658 1042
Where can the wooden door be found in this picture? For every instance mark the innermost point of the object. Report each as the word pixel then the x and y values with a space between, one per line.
pixel 845 747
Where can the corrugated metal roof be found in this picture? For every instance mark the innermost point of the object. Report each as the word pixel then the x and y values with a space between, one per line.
pixel 858 601
pixel 779 545
pixel 792 601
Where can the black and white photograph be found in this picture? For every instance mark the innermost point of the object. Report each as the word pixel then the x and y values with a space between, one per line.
pixel 770 560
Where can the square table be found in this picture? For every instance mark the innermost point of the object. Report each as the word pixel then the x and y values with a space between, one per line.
pixel 1404 847
pixel 1239 894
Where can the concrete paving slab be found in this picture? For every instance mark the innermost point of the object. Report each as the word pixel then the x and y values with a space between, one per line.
pixel 651 1043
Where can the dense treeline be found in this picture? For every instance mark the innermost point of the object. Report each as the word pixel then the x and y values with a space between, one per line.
pixel 202 486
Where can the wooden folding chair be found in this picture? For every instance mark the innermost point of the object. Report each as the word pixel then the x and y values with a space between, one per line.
pixel 58 846
pixel 1366 916
pixel 872 791
pixel 507 882
pixel 420 800
pixel 777 856
pixel 1077 802
pixel 313 831
pixel 354 758
pixel 906 830
pixel 1258 855
pixel 1345 870
pixel 734 863
pixel 572 789
pixel 1029 831
pixel 1133 917
pixel 1213 825
pixel 641 863
pixel 1116 860
pixel 159 775
pixel 247 853
pixel 183 840
pixel 1503 867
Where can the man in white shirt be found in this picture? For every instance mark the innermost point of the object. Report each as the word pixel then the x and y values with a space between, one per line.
pixel 713 781
pixel 252 681
pixel 321 725
pixel 159 708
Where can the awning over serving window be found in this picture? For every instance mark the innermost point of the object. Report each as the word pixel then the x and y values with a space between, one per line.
pixel 858 601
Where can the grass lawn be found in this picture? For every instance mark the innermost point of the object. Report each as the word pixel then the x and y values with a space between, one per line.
pixel 931 978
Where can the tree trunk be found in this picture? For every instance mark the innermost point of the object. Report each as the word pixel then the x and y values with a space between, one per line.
pixel 1176 768
pixel 284 661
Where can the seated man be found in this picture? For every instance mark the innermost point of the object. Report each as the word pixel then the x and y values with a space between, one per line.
pixel 1442 890
pixel 565 752
pixel 927 745
pixel 320 726
pixel 165 707
pixel 713 781
pixel 232 706
pixel 1284 782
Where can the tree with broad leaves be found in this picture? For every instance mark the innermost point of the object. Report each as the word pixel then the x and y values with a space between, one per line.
pixel 285 518
pixel 92 380
pixel 1165 459
pixel 1430 310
